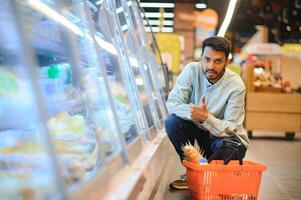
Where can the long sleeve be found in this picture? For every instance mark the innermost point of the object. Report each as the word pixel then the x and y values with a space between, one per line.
pixel 179 97
pixel 233 117
pixel 225 101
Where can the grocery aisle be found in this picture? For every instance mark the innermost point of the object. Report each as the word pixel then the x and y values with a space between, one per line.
pixel 281 181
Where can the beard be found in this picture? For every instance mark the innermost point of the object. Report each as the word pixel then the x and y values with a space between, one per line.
pixel 213 76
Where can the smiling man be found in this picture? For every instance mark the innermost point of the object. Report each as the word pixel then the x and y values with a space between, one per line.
pixel 207 105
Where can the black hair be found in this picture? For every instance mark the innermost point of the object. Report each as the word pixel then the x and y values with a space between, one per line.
pixel 218 43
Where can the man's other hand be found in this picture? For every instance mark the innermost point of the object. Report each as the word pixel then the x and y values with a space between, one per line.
pixel 199 113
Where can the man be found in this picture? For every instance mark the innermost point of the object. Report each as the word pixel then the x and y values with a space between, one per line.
pixel 207 105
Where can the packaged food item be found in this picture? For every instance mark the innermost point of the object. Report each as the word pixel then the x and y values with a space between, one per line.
pixel 193 153
pixel 65 124
pixel 8 83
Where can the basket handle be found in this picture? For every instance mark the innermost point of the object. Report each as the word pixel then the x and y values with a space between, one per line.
pixel 226 161
pixel 233 148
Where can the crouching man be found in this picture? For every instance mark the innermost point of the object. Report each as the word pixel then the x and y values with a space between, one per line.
pixel 207 105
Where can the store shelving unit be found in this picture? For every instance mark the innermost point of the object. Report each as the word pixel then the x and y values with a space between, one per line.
pixel 268 108
pixel 79 105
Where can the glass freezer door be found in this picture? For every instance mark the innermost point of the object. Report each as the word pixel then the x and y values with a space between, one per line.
pixel 106 16
pixel 27 163
pixel 81 118
pixel 124 91
pixel 156 70
pixel 143 52
pixel 93 83
pixel 132 48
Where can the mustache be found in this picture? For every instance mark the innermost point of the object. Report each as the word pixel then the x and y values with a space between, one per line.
pixel 210 70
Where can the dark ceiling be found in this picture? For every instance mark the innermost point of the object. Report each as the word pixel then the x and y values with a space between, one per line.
pixel 282 17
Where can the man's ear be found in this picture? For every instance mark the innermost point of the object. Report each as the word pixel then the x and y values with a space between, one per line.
pixel 227 62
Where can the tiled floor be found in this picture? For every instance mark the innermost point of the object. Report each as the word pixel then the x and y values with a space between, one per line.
pixel 281 181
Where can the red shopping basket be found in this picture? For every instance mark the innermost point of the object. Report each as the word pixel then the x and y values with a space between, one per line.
pixel 217 181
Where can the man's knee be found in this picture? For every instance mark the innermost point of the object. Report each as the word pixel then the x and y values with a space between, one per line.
pixel 169 122
pixel 172 122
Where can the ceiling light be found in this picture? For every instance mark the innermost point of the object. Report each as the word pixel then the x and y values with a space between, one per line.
pixel 200 5
pixel 157 14
pixel 157 22
pixel 228 18
pixel 119 10
pixel 99 2
pixel 157 5
pixel 230 56
pixel 124 27
pixel 156 29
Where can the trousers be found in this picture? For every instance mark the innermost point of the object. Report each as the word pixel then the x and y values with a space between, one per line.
pixel 181 131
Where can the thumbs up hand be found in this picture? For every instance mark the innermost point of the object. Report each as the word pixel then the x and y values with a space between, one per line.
pixel 199 113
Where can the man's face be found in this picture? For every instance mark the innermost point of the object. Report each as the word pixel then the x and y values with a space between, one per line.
pixel 213 64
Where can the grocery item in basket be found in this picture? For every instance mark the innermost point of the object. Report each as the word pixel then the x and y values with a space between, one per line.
pixel 193 153
pixel 218 181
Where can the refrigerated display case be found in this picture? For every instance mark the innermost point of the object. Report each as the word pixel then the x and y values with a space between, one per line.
pixel 70 107
pixel 82 121
pixel 28 167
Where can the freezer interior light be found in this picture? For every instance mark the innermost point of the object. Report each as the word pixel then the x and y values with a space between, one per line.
pixel 139 81
pixel 106 45
pixel 52 14
pixel 133 62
